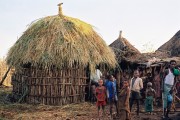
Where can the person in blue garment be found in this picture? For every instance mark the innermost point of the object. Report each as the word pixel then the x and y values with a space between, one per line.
pixel 168 85
pixel 111 93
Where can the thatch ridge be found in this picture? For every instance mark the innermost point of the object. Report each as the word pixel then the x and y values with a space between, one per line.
pixel 124 44
pixel 124 50
pixel 60 41
pixel 172 46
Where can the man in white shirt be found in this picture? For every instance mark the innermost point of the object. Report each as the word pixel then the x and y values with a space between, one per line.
pixel 168 83
pixel 136 85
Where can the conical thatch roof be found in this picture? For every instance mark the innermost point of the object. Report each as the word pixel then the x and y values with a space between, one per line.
pixel 172 46
pixel 61 41
pixel 123 48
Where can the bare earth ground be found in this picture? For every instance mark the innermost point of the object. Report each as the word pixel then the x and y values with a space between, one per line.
pixel 82 111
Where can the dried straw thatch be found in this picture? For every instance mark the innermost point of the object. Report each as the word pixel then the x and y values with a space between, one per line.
pixel 172 46
pixel 60 41
pixel 124 50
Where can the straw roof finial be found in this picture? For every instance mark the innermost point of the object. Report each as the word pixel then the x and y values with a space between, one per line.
pixel 60 8
pixel 120 34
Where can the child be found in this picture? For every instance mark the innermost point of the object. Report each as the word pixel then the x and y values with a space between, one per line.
pixel 150 95
pixel 123 101
pixel 136 85
pixel 101 96
pixel 111 93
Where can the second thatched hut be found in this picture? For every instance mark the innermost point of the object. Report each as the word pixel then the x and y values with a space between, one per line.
pixel 126 54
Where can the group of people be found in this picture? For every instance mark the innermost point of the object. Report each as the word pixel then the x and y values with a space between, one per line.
pixel 123 98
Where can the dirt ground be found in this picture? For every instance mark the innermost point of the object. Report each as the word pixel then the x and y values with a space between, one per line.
pixel 81 111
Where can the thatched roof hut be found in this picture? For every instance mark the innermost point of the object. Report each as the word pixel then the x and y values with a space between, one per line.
pixel 123 49
pixel 61 41
pixel 172 46
pixel 126 54
pixel 52 57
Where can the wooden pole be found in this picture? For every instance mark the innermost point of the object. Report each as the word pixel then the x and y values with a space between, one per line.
pixel 177 98
pixel 4 77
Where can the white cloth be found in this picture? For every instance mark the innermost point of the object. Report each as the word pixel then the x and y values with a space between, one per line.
pixel 138 85
pixel 169 79
pixel 96 76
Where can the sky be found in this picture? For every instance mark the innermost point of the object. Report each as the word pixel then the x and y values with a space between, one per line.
pixel 147 24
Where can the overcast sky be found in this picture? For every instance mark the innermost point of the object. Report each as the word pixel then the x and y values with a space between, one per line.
pixel 145 23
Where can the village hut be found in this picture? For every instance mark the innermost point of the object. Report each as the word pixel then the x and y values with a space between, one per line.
pixel 126 53
pixel 168 51
pixel 162 56
pixel 172 46
pixel 52 60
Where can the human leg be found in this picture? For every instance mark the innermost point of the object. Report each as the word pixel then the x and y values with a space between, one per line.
pixel 137 102
pixel 131 103
pixel 168 109
pixel 115 103
pixel 110 108
pixel 103 109
pixel 127 115
pixel 99 110
pixel 167 88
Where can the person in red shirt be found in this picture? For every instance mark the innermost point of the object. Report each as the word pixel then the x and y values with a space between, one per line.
pixel 101 97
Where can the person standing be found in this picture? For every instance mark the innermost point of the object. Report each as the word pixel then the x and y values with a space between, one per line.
pixel 167 85
pixel 136 85
pixel 95 77
pixel 123 102
pixel 101 97
pixel 157 84
pixel 150 96
pixel 111 93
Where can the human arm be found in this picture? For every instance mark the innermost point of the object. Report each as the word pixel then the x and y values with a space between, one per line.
pixel 164 73
pixel 130 84
pixel 146 94
pixel 100 74
pixel 105 92
pixel 127 97
pixel 154 94
pixel 154 70
pixel 96 93
pixel 174 86
pixel 141 83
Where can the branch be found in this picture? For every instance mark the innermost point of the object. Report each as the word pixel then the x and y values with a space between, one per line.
pixel 4 77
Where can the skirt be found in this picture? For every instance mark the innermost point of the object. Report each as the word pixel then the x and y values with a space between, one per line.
pixel 149 104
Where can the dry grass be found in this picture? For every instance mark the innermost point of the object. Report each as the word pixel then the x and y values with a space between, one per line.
pixel 172 46
pixel 60 41
pixel 3 69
